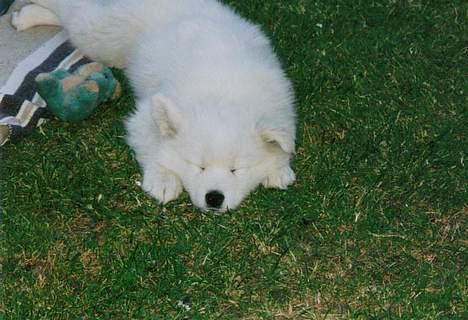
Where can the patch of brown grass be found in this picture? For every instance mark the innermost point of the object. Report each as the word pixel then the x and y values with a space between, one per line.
pixel 89 261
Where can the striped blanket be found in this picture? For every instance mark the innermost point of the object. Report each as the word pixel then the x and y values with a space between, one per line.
pixel 21 107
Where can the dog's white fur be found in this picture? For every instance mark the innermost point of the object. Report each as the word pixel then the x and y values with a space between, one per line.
pixel 214 108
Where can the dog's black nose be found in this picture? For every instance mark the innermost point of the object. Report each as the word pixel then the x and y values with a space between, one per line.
pixel 214 199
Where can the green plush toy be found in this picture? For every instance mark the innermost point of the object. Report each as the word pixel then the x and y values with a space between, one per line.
pixel 74 96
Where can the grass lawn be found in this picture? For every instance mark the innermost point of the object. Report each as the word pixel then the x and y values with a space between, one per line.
pixel 374 228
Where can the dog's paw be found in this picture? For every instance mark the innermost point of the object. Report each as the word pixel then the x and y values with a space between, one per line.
pixel 32 15
pixel 164 187
pixel 280 179
pixel 19 20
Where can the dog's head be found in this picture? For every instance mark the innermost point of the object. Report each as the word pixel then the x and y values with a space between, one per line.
pixel 220 157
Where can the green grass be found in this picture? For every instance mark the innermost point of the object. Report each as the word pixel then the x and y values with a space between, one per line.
pixel 374 228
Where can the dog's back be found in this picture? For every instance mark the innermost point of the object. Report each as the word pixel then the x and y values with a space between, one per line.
pixel 107 30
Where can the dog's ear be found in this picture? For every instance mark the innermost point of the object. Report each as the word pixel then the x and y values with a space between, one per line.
pixel 166 115
pixel 283 137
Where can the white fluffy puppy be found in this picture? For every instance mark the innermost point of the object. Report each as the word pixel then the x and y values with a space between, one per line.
pixel 214 110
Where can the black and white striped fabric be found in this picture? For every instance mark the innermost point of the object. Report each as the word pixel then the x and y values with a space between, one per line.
pixel 21 107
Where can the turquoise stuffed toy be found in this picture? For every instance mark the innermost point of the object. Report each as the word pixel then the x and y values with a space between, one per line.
pixel 74 96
